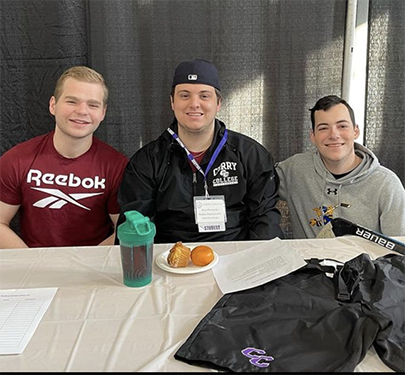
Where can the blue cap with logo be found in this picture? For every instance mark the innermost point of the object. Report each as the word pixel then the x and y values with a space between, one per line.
pixel 197 71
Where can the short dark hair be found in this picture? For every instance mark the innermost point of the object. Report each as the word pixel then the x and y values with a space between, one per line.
pixel 327 102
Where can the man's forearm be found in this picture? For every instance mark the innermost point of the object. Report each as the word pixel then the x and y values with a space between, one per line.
pixel 9 239
pixel 108 241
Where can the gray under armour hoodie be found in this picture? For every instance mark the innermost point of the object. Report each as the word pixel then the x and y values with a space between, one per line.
pixel 375 194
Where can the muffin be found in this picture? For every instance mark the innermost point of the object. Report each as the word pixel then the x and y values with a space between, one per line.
pixel 179 255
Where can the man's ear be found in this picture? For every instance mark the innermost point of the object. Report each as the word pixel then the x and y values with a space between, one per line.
pixel 219 104
pixel 171 102
pixel 104 112
pixel 312 136
pixel 356 131
pixel 52 102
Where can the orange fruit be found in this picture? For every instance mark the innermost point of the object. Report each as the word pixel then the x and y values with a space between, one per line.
pixel 202 255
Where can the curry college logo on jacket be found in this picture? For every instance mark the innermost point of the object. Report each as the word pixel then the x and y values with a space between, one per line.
pixel 56 198
pixel 224 174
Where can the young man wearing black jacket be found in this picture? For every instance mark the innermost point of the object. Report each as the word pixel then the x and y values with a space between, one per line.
pixel 200 181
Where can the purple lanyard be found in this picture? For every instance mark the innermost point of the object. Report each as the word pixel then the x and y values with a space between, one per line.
pixel 191 157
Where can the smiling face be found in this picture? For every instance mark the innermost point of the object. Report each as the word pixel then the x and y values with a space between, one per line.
pixel 79 110
pixel 334 135
pixel 195 107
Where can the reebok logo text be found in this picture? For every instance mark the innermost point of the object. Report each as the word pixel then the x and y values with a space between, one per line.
pixel 70 180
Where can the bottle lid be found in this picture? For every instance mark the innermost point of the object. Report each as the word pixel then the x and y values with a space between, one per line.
pixel 136 230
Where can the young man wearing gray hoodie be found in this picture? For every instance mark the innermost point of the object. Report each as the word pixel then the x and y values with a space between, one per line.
pixel 341 178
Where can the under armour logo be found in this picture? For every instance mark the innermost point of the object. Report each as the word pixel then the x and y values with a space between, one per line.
pixel 330 191
pixel 58 199
pixel 256 357
pixel 192 77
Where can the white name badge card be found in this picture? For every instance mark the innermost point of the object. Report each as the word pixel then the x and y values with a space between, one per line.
pixel 210 213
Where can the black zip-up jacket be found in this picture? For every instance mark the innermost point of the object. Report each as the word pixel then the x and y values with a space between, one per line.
pixel 159 183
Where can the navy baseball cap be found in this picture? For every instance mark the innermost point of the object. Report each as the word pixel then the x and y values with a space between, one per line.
pixel 197 71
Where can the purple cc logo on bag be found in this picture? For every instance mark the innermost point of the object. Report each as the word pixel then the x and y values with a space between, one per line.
pixel 256 357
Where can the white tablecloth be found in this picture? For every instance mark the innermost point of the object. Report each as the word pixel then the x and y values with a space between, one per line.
pixel 95 323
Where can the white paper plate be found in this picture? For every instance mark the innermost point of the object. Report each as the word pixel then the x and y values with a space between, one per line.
pixel 161 261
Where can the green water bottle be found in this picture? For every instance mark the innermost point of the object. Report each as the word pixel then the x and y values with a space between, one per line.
pixel 136 237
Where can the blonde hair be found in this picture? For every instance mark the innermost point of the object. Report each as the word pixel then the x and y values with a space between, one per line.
pixel 81 73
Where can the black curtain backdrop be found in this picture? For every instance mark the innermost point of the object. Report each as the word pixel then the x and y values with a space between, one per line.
pixel 275 58
pixel 385 111
pixel 39 40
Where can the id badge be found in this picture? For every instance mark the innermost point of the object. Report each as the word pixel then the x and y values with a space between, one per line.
pixel 210 213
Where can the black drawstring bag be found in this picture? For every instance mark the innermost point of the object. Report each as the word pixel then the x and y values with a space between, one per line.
pixel 307 321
